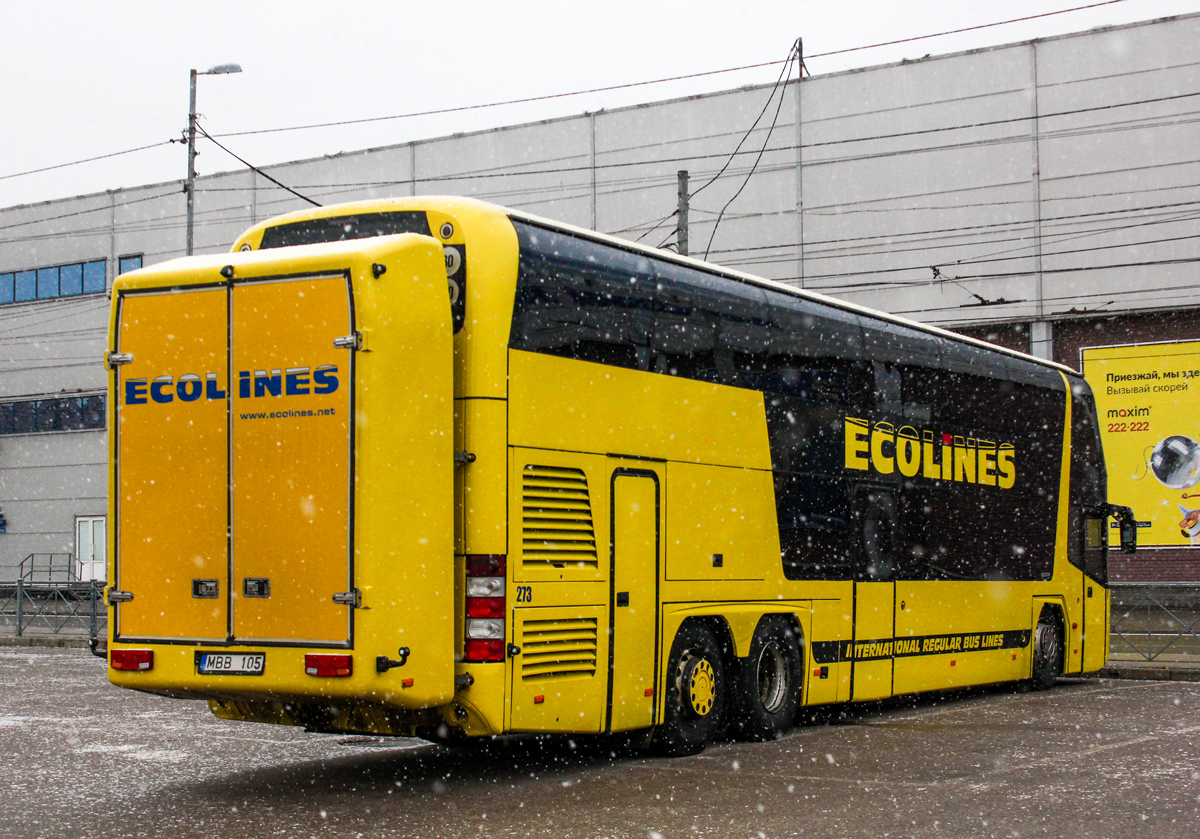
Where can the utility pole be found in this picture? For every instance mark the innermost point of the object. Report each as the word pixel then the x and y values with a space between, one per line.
pixel 681 223
pixel 190 186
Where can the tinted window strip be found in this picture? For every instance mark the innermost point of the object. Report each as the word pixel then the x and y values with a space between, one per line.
pixel 34 416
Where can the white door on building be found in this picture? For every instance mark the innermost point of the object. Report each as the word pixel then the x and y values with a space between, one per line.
pixel 91 547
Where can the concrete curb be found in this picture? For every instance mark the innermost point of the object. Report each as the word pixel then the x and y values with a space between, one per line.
pixel 43 641
pixel 1148 671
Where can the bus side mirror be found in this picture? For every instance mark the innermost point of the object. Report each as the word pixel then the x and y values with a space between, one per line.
pixel 1128 525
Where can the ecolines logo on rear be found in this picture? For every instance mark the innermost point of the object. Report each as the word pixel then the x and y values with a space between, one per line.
pixel 293 381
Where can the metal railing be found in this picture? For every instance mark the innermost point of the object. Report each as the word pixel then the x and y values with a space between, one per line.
pixel 49 568
pixel 1155 621
pixel 54 608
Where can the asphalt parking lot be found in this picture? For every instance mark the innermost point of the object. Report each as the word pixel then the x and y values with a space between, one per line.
pixel 1090 758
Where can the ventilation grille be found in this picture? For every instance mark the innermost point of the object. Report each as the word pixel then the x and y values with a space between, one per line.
pixel 556 519
pixel 552 649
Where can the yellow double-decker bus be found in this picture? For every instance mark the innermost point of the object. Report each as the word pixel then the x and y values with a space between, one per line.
pixel 405 466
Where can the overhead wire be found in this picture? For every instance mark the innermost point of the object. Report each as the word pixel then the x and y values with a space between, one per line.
pixel 589 91
pixel 793 57
pixel 254 168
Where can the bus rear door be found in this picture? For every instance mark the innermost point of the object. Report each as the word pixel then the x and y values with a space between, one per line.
pixel 291 461
pixel 171 439
pixel 234 464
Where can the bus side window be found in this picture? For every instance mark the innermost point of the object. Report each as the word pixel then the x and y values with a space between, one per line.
pixel 879 525
pixel 578 300
pixel 709 327
pixel 1087 542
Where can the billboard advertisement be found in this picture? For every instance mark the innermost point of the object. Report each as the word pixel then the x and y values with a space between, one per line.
pixel 1148 402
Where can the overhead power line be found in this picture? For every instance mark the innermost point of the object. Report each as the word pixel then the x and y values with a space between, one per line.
pixel 552 96
pixel 85 160
pixel 257 170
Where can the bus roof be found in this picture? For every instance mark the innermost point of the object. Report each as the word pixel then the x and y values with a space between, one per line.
pixel 446 203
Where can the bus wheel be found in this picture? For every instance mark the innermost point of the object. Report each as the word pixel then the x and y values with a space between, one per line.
pixel 695 687
pixel 1047 650
pixel 768 688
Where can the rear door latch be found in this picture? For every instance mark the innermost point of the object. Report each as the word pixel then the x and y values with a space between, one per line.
pixel 352 598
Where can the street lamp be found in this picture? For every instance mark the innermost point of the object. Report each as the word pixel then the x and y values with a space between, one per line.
pixel 190 188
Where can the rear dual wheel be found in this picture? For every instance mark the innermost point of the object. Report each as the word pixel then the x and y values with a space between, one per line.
pixel 768 685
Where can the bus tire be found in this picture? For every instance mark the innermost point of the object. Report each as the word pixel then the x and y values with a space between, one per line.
pixel 695 693
pixel 1047 650
pixel 769 681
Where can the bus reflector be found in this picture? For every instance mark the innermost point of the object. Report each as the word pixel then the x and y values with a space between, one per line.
pixel 131 659
pixel 539 699
pixel 324 664
pixel 484 649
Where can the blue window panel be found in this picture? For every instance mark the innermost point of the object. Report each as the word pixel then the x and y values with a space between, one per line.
pixel 6 290
pixel 129 263
pixel 70 279
pixel 47 283
pixel 26 285
pixel 24 417
pixel 46 415
pixel 93 412
pixel 94 276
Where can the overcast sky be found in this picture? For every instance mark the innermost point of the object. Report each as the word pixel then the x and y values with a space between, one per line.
pixel 82 78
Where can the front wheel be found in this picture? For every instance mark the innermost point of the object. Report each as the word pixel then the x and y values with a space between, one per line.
pixel 695 691
pixel 1047 650
pixel 769 681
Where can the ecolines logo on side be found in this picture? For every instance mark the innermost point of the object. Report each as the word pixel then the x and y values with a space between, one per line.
pixel 887 450
pixel 294 381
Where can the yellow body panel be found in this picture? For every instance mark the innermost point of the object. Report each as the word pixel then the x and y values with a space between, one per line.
pixel 635 555
pixel 485 479
pixel 929 609
pixel 560 677
pixel 291 459
pixel 559 403
pixel 874 622
pixel 173 485
pixel 721 524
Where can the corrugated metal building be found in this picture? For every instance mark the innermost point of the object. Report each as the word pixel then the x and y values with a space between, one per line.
pixel 1041 194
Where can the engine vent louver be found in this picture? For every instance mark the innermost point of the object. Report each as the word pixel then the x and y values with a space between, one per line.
pixel 556 519
pixel 552 649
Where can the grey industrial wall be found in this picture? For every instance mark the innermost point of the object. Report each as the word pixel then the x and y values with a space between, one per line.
pixel 1051 184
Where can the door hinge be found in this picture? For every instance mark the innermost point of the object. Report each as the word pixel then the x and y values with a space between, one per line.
pixel 353 598
pixel 353 341
pixel 463 458
pixel 116 596
pixel 116 359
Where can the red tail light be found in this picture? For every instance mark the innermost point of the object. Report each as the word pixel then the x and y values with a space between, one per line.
pixel 324 664
pixel 486 607
pixel 484 649
pixel 131 659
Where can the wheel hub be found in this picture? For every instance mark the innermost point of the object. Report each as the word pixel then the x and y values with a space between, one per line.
pixel 698 685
